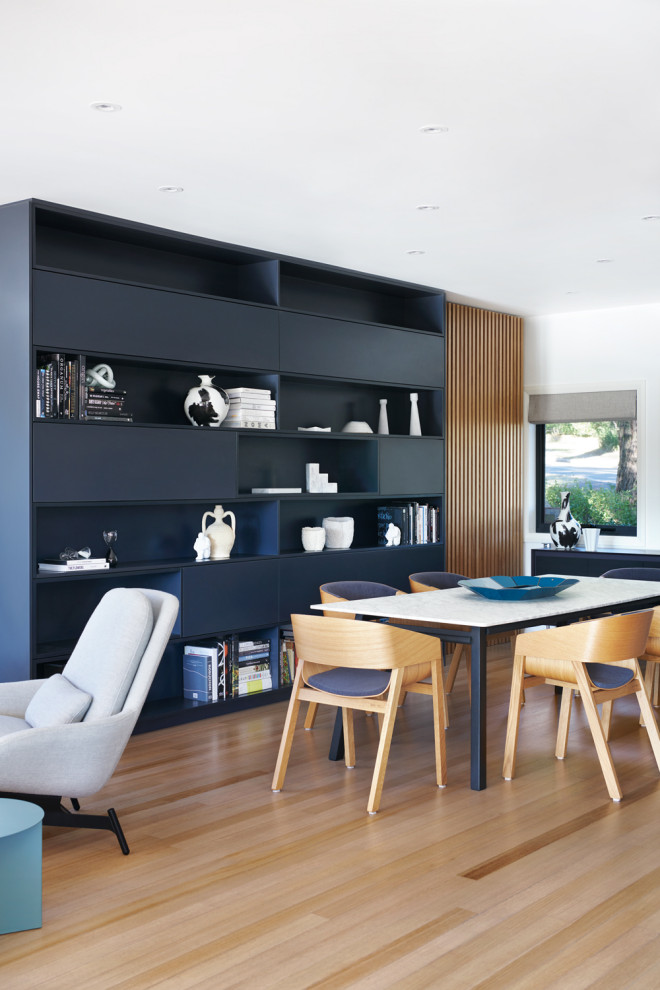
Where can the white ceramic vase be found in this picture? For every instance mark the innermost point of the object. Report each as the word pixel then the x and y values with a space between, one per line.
pixel 415 427
pixel 220 534
pixel 313 538
pixel 338 532
pixel 206 404
pixel 383 425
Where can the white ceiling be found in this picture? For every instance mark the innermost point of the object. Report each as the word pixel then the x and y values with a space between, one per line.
pixel 294 126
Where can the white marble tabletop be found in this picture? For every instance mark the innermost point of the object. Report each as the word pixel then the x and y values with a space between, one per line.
pixel 458 606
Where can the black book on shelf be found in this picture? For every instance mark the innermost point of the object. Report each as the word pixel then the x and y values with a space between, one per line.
pixel 397 516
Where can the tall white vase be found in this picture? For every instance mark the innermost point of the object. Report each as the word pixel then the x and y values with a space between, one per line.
pixel 383 425
pixel 415 426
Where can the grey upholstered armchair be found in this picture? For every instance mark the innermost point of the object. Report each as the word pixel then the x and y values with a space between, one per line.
pixel 65 735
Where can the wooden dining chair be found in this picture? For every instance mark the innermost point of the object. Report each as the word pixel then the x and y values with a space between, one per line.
pixel 439 580
pixel 652 652
pixel 364 666
pixel 598 657
pixel 346 591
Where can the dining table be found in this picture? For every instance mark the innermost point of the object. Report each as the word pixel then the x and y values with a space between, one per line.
pixel 479 618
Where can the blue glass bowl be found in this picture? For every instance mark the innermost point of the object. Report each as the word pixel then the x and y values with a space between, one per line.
pixel 517 589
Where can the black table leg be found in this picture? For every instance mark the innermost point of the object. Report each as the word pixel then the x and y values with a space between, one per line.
pixel 478 710
pixel 337 742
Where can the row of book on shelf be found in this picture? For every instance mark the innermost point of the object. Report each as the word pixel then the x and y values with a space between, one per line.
pixel 62 392
pixel 234 667
pixel 414 522
pixel 250 408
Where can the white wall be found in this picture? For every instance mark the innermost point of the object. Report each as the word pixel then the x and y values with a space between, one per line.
pixel 613 348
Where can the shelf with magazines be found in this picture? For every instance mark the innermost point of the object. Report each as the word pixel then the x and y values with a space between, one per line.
pixel 129 320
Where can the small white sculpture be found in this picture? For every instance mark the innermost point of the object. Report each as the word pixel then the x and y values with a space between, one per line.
pixel 202 547
pixel 101 376
pixel 392 536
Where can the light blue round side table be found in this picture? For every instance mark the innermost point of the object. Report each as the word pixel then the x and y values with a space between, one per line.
pixel 20 865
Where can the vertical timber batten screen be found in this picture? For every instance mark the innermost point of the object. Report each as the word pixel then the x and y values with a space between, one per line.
pixel 484 404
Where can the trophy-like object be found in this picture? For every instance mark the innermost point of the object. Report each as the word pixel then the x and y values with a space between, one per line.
pixel 109 537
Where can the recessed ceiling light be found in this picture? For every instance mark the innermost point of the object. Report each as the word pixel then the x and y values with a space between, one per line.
pixel 415 251
pixel 434 129
pixel 103 107
pixel 652 216
pixel 170 189
pixel 428 206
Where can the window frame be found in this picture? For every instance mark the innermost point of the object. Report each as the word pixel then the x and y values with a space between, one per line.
pixel 539 488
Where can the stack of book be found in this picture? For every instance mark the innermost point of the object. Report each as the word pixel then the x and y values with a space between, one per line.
pixel 105 404
pixel 55 565
pixel 59 385
pixel 417 523
pixel 251 667
pixel 250 408
pixel 288 658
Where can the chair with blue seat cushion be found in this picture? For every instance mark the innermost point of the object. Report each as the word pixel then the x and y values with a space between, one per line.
pixel 652 652
pixel 598 657
pixel 65 735
pixel 364 666
pixel 351 591
pixel 439 580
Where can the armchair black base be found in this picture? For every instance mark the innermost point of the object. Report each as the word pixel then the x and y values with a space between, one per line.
pixel 57 814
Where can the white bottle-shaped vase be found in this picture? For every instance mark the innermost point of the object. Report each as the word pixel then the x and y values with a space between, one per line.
pixel 415 426
pixel 383 425
pixel 220 534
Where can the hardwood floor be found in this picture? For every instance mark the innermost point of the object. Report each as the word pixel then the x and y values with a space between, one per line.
pixel 541 882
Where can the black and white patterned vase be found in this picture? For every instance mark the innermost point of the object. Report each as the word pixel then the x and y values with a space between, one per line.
pixel 206 404
pixel 565 531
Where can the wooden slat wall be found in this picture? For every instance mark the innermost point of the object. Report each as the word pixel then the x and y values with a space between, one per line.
pixel 484 442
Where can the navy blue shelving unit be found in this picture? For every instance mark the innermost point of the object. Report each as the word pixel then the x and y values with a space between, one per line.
pixel 161 308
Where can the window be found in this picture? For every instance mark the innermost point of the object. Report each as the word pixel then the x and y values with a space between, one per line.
pixel 594 458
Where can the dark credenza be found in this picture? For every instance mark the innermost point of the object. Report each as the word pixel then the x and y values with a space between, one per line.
pixel 590 563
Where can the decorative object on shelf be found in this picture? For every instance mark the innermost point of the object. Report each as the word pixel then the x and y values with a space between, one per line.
pixel 356 426
pixel 206 404
pixel 251 409
pixel 392 536
pixel 202 547
pixel 590 534
pixel 220 534
pixel 101 376
pixel 70 554
pixel 277 491
pixel 313 538
pixel 415 425
pixel 315 482
pixel 565 531
pixel 503 588
pixel 383 425
pixel 315 429
pixel 109 538
pixel 338 532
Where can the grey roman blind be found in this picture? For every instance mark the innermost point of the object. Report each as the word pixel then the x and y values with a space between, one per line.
pixel 582 407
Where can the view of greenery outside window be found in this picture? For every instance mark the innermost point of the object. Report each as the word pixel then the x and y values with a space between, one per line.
pixel 597 464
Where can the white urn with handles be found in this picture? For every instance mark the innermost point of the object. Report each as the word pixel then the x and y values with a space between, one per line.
pixel 220 533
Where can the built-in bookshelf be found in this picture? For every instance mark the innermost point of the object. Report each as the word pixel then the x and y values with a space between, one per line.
pixel 160 309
